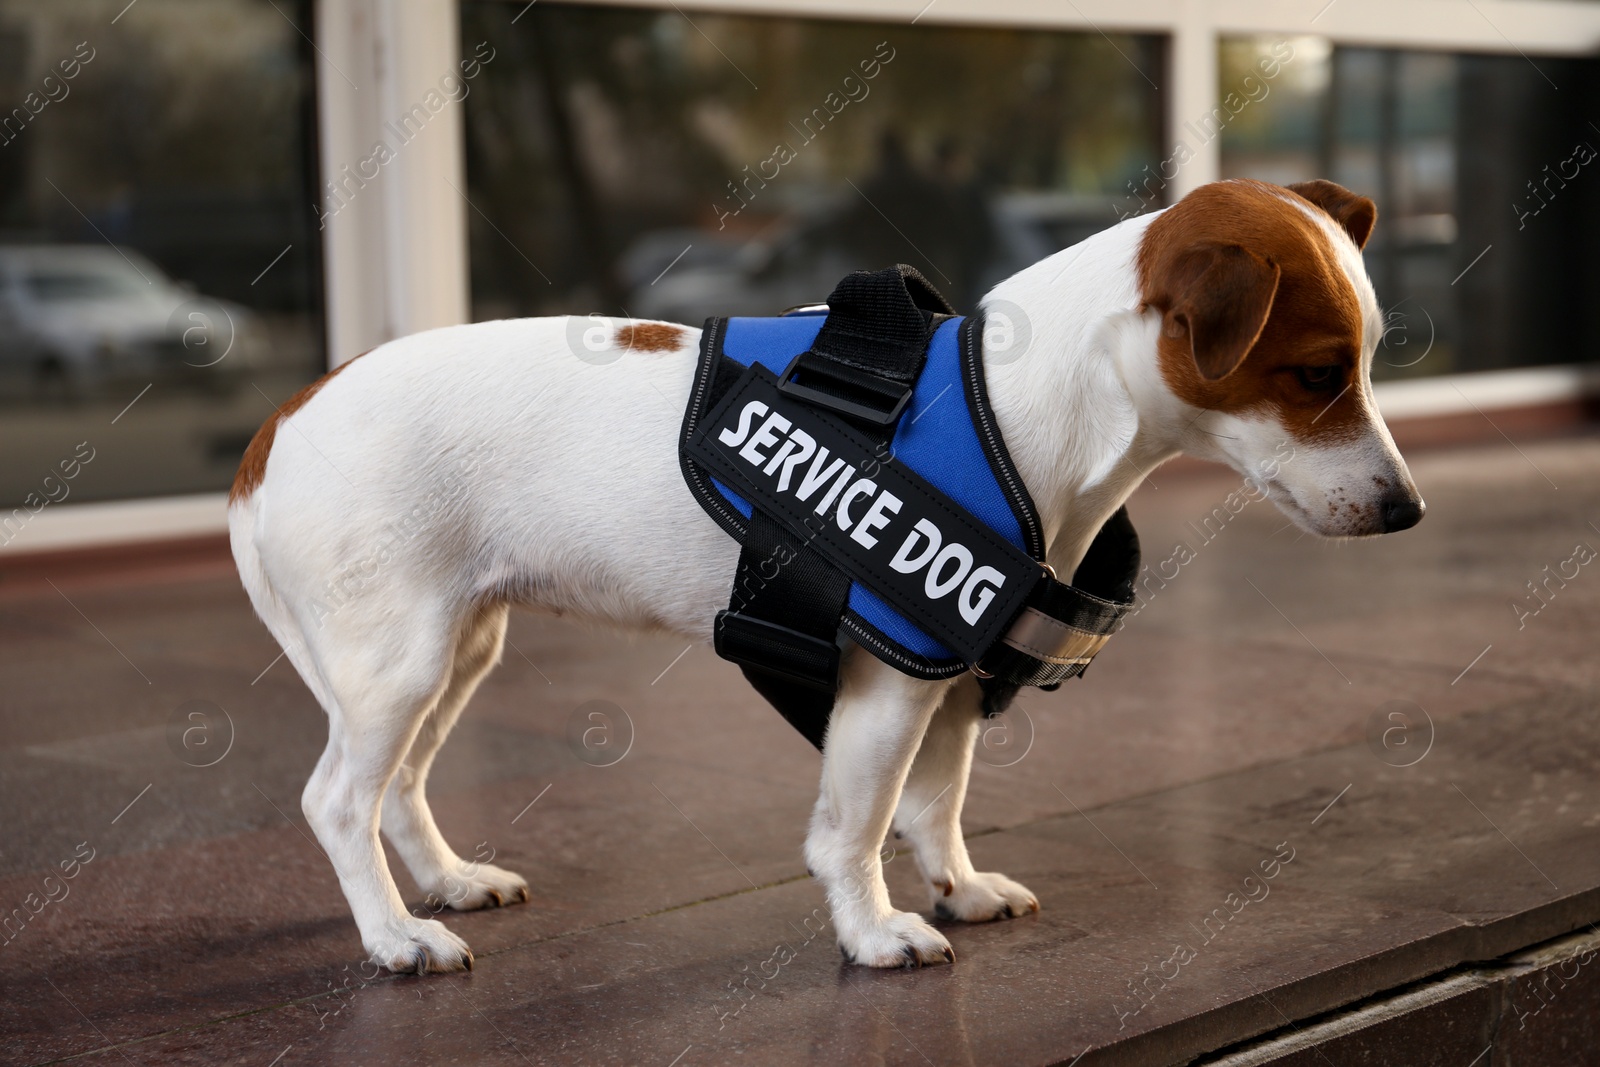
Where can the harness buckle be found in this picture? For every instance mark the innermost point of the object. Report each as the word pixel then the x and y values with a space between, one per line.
pixel 856 394
pixel 798 657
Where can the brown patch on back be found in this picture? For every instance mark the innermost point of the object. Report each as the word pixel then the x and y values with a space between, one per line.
pixel 253 467
pixel 650 337
pixel 1314 318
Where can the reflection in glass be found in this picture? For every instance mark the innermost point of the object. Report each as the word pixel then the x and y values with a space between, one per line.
pixel 159 256
pixel 1451 147
pixel 632 162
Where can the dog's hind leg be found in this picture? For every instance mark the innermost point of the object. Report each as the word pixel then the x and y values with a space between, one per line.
pixel 386 670
pixel 877 723
pixel 407 819
pixel 929 816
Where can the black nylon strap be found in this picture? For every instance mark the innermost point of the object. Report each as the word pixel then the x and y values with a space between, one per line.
pixel 1111 565
pixel 785 593
pixel 787 600
pixel 1107 573
pixel 878 322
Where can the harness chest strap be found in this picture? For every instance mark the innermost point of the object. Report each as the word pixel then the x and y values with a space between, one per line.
pixel 1051 640
pixel 835 528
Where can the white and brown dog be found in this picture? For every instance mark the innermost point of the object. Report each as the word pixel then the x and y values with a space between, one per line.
pixel 1238 320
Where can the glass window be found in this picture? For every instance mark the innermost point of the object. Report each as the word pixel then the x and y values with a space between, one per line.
pixel 1487 207
pixel 673 165
pixel 160 286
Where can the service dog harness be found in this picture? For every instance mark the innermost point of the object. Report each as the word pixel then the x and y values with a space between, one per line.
pixel 850 449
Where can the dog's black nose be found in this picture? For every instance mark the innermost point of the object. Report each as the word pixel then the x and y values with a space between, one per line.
pixel 1402 512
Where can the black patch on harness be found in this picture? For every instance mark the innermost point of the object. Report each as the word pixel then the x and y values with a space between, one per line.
pixel 848 498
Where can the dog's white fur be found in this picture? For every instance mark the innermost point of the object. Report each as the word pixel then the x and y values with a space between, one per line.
pixel 531 476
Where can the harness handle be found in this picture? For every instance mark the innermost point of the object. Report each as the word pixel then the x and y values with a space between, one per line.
pixel 868 354
pixel 879 322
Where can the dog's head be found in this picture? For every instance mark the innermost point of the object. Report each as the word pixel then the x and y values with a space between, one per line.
pixel 1268 327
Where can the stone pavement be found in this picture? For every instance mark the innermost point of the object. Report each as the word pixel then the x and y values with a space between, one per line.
pixel 1412 757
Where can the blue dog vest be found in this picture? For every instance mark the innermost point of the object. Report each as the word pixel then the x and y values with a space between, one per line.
pixel 852 452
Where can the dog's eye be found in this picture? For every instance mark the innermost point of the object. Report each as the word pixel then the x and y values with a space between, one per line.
pixel 1319 379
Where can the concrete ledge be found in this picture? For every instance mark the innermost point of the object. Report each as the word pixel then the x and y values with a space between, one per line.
pixel 58 527
pixel 1497 1006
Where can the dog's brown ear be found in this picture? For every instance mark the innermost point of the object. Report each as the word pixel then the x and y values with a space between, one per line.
pixel 1218 296
pixel 1355 213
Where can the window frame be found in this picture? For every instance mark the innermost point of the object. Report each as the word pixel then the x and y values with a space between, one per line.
pixel 395 259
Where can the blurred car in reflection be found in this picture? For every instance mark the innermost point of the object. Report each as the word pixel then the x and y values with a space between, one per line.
pixel 77 318
pixel 653 255
pixel 759 277
pixel 801 262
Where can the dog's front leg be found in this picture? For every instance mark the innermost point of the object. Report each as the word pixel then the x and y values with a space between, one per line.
pixel 877 723
pixel 929 816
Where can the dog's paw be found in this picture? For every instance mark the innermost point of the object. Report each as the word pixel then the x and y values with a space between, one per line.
pixel 900 940
pixel 983 897
pixel 488 887
pixel 421 946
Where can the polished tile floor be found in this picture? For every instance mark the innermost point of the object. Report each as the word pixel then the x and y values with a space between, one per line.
pixel 1391 721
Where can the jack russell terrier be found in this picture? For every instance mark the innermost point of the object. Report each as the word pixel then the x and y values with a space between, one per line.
pixel 1240 319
